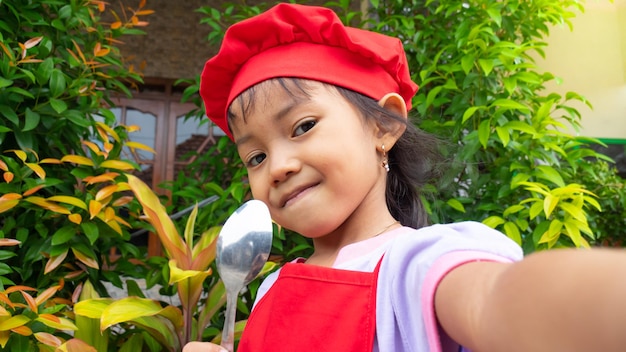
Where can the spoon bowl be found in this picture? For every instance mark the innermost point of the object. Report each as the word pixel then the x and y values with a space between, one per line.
pixel 243 247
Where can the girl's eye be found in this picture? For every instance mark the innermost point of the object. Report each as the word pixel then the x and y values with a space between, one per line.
pixel 256 160
pixel 304 127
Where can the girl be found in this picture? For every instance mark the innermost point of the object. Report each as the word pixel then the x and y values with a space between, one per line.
pixel 319 115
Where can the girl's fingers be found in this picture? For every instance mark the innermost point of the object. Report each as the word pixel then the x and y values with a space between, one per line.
pixel 203 347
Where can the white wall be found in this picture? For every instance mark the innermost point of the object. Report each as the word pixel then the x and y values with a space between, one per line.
pixel 591 60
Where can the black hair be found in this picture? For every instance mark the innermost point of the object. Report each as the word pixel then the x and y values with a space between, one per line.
pixel 414 161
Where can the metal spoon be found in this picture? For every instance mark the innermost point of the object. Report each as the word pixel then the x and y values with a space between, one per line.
pixel 243 246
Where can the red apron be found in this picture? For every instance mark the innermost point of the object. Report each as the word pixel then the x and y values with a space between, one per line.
pixel 314 308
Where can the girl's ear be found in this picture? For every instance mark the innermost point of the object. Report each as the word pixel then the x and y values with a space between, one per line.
pixel 394 103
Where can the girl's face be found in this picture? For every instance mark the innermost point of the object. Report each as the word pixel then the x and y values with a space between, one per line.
pixel 311 158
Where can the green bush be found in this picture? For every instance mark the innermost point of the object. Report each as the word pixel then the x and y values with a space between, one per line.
pixel 62 200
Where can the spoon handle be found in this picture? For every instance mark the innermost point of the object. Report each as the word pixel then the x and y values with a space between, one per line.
pixel 228 333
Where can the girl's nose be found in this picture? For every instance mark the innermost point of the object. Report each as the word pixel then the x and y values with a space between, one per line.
pixel 282 165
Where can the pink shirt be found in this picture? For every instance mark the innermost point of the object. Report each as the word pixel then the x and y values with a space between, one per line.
pixel 415 261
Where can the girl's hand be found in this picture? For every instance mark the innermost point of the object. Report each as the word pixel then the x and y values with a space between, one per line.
pixel 203 347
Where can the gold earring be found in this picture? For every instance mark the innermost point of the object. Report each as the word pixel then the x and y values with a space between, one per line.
pixel 385 162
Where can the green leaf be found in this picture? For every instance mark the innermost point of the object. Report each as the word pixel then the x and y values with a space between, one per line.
pixel 549 203
pixel 512 232
pixel 77 118
pixel 9 114
pixel 486 65
pixel 455 204
pixel 520 126
pixel 484 131
pixel 469 112
pixel 91 231
pixel 127 309
pixel 576 212
pixel 467 63
pixel 495 15
pixel 57 83
pixel 503 134
pixel 493 221
pixel 509 104
pixel 63 235
pixel 548 173
pixel 58 105
pixel 5 82
pixel 44 71
pixel 31 120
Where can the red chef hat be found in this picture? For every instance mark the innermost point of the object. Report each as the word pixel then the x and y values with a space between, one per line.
pixel 302 41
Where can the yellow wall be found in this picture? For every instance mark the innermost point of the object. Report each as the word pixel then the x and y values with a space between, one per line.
pixel 591 60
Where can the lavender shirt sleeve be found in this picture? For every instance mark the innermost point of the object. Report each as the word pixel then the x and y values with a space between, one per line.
pixel 412 267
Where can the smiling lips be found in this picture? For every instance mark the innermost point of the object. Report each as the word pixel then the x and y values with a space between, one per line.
pixel 293 196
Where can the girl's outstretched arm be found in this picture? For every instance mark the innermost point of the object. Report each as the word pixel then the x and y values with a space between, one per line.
pixel 560 300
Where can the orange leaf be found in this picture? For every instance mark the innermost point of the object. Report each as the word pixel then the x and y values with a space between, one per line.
pixel 18 288
pixel 37 169
pixel 23 49
pixel 77 159
pixel 108 146
pixel 32 42
pixel 5 299
pixel 106 192
pixel 117 164
pixel 48 205
pixel 92 146
pixel 10 196
pixel 122 201
pixel 3 166
pixel 132 128
pixel 94 208
pixel 102 52
pixel 108 131
pixel 50 317
pixel 115 226
pixel 136 145
pixel 80 52
pixel 7 242
pixel 8 204
pixel 109 214
pixel 23 330
pixel 74 274
pixel 19 153
pixel 141 24
pixel 54 262
pixel 8 176
pixel 7 51
pixel 33 190
pixel 31 301
pixel 69 200
pixel 48 339
pixel 116 25
pixel 29 61
pixel 85 259
pixel 108 176
pixel 46 294
pixel 165 229
pixel 76 345
pixel 121 221
pixel 144 12
pixel 75 218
